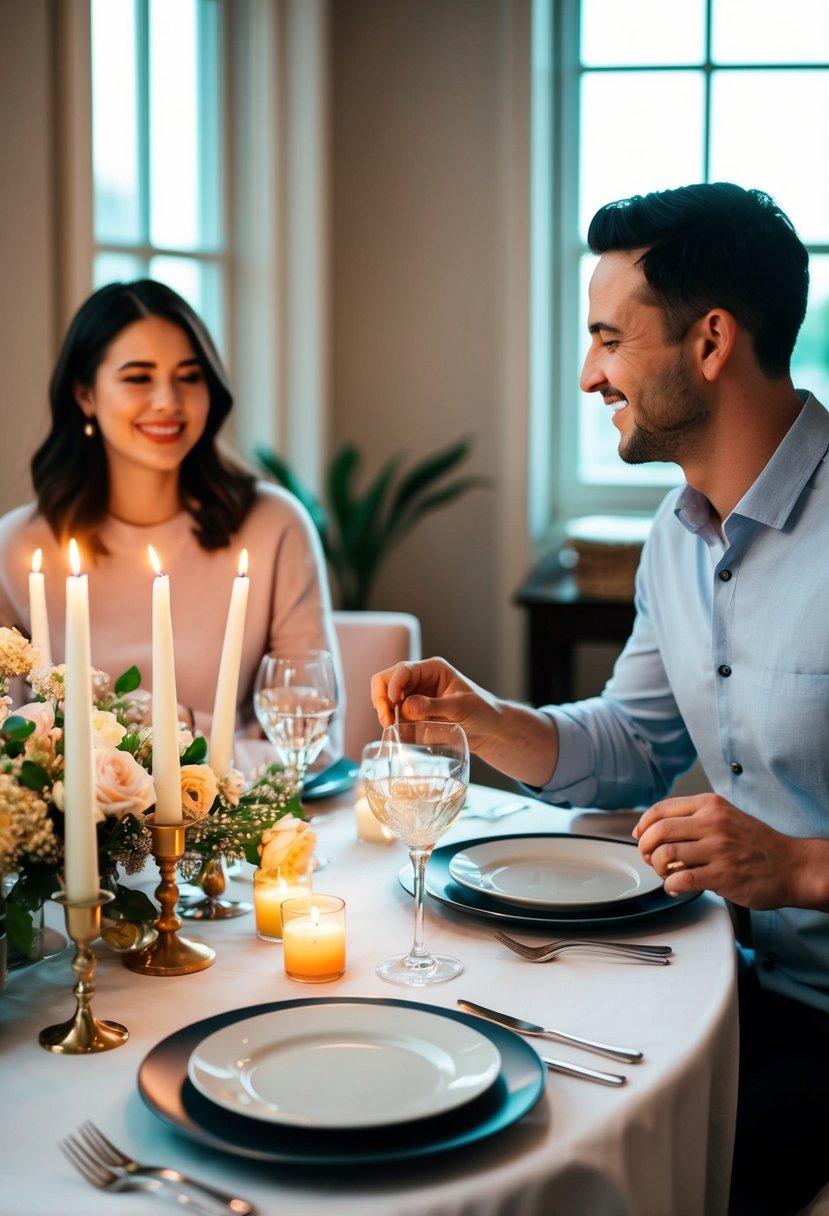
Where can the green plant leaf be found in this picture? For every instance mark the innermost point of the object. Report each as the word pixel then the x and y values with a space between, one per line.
pixel 281 472
pixel 17 728
pixel 33 776
pixel 196 752
pixel 424 474
pixel 440 498
pixel 128 682
pixel 132 905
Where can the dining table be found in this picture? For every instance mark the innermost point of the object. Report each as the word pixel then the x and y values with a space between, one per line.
pixel 658 1145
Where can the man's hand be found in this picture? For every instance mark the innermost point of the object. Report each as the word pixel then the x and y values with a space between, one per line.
pixel 521 742
pixel 705 843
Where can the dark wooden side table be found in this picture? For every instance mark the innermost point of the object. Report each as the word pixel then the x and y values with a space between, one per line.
pixel 559 619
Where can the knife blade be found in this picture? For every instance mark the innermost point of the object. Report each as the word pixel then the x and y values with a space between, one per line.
pixel 629 1054
pixel 586 1074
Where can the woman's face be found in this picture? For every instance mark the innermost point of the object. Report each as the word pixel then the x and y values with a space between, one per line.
pixel 149 398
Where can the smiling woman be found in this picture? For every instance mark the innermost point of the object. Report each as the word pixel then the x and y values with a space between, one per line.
pixel 138 396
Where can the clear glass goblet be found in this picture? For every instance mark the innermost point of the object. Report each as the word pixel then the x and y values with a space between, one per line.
pixel 294 697
pixel 415 779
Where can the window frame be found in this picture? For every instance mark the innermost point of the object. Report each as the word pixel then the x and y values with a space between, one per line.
pixel 556 491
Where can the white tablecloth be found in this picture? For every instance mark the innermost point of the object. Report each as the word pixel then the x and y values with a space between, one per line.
pixel 659 1146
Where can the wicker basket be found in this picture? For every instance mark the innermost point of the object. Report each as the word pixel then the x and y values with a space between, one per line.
pixel 605 552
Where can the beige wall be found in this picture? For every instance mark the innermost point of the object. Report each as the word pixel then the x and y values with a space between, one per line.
pixel 27 298
pixel 429 232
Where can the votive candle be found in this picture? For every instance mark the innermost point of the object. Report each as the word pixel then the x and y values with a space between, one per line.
pixel 220 750
pixel 313 937
pixel 80 840
pixel 270 890
pixel 166 763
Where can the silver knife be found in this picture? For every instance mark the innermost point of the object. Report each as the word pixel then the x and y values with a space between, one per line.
pixel 587 1074
pixel 629 1054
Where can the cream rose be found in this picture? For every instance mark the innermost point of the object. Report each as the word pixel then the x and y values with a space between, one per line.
pixel 198 790
pixel 107 730
pixel 288 846
pixel 122 786
pixel 40 744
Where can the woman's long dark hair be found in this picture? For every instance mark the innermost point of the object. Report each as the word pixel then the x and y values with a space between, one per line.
pixel 69 470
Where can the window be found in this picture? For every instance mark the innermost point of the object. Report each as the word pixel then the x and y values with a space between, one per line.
pixel 629 99
pixel 156 146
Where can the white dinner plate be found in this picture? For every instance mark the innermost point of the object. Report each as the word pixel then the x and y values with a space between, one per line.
pixel 555 872
pixel 343 1066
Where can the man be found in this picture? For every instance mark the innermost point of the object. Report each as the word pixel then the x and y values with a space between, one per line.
pixel 695 305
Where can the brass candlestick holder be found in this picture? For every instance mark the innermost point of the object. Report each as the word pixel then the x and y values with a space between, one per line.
pixel 211 906
pixel 83 1032
pixel 169 954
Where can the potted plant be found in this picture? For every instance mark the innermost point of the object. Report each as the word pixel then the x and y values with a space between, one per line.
pixel 359 529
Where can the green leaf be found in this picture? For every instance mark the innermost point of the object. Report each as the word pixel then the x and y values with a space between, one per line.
pixel 132 905
pixel 196 752
pixel 33 776
pixel 20 929
pixel 283 474
pixel 17 728
pixel 425 474
pixel 128 682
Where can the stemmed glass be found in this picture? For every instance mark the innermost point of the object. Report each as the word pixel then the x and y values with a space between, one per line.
pixel 415 779
pixel 294 697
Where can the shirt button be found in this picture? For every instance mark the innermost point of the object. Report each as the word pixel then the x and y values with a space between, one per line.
pixel 724 669
pixel 768 962
pixel 736 768
pixel 725 575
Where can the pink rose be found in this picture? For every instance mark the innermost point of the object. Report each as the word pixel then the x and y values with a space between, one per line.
pixel 122 786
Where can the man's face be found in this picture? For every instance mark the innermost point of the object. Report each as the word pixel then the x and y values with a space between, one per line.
pixel 658 403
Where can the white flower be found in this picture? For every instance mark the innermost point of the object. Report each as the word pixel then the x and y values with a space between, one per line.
pixel 232 786
pixel 17 654
pixel 198 790
pixel 40 745
pixel 5 706
pixel 122 786
pixel 107 730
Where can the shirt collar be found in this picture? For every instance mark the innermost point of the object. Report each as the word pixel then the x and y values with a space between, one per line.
pixel 771 499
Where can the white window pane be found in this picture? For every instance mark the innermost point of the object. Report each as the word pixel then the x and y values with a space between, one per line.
pixel 764 31
pixel 599 462
pixel 646 32
pixel 640 131
pixel 810 364
pixel 174 144
pixel 768 130
pixel 199 283
pixel 115 122
pixel 117 268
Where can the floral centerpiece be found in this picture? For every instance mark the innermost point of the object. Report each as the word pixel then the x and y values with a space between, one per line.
pixel 223 817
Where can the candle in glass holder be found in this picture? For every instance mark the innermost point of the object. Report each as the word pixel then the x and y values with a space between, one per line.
pixel 223 726
pixel 80 839
pixel 313 937
pixel 38 614
pixel 369 827
pixel 270 890
pixel 166 762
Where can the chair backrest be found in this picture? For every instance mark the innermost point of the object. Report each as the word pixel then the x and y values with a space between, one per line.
pixel 370 642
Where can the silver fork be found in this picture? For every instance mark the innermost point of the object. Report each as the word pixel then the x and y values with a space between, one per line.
pixel 104 1166
pixel 543 954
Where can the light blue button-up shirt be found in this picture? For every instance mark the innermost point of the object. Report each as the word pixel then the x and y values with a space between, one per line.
pixel 728 661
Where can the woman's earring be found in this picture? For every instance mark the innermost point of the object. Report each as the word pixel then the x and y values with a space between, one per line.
pixel 89 429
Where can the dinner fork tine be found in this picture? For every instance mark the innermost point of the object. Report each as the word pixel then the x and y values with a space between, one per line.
pixel 542 954
pixel 92 1170
pixel 104 1148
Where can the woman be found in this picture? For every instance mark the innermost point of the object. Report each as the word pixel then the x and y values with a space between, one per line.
pixel 138 396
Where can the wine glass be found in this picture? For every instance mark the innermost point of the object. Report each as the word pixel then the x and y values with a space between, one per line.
pixel 294 697
pixel 415 779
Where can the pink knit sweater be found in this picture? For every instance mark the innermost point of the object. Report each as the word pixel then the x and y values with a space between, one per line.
pixel 288 605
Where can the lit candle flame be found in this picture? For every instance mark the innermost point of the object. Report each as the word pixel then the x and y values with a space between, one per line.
pixel 37 561
pixel 156 564
pixel 74 557
pixel 243 563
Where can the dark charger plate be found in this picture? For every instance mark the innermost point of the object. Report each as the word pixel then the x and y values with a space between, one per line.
pixel 441 886
pixel 167 1090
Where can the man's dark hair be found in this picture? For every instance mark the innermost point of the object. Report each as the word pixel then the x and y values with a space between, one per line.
pixel 716 246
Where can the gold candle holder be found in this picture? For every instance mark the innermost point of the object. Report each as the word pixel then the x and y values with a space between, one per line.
pixel 84 1032
pixel 169 954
